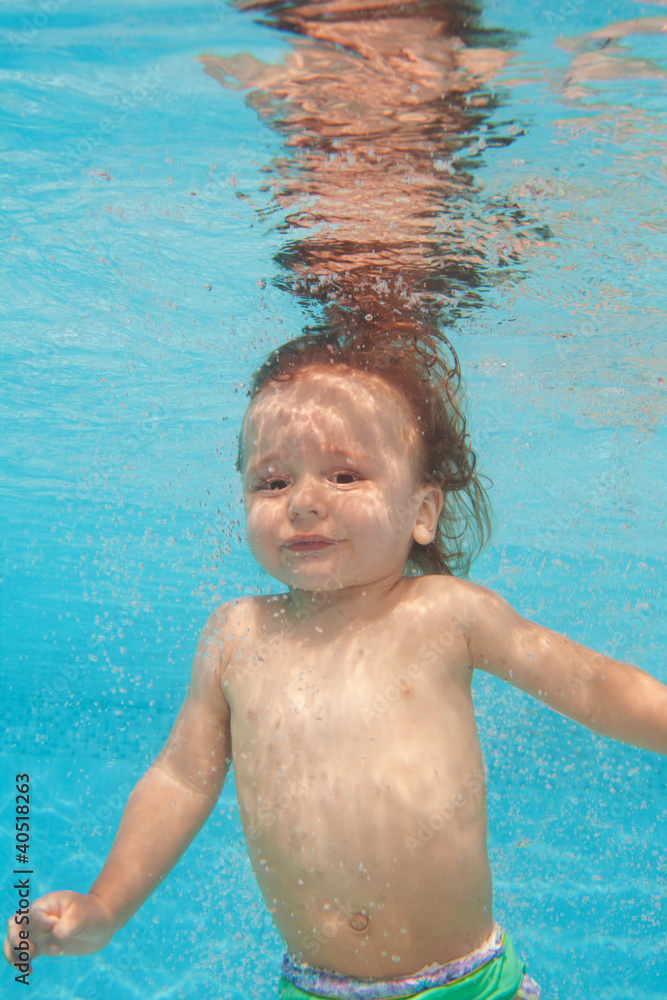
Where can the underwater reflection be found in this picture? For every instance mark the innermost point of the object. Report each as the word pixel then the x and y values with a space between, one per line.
pixel 385 111
pixel 602 55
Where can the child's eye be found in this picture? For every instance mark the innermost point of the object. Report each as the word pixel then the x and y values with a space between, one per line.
pixel 345 478
pixel 273 485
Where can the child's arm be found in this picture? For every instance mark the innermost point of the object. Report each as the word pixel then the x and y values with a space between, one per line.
pixel 164 812
pixel 608 696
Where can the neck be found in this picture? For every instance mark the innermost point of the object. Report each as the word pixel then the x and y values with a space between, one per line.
pixel 344 604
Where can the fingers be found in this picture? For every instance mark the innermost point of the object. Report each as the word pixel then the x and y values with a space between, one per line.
pixel 24 943
pixel 60 923
pixel 41 923
pixel 31 934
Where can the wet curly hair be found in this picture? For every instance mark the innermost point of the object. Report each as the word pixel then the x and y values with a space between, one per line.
pixel 422 365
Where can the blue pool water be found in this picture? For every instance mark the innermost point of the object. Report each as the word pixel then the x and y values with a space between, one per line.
pixel 139 292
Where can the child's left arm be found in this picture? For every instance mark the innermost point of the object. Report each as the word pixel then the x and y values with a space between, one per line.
pixel 608 696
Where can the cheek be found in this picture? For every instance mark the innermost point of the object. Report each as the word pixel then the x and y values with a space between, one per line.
pixel 402 510
pixel 373 515
pixel 257 521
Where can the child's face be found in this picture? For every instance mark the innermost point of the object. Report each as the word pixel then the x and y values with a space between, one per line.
pixel 331 492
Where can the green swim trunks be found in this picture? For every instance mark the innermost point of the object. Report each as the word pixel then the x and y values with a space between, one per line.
pixel 492 972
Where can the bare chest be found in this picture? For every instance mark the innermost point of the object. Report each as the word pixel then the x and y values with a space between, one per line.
pixel 356 708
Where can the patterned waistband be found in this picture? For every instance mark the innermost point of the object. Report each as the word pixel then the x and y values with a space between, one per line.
pixel 330 984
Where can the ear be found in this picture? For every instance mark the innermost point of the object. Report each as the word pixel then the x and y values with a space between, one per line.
pixel 426 521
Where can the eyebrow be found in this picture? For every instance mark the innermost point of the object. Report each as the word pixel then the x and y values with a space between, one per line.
pixel 351 458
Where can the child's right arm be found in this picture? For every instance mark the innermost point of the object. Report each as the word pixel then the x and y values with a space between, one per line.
pixel 163 814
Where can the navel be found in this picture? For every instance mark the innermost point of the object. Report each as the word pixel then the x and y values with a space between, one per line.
pixel 359 921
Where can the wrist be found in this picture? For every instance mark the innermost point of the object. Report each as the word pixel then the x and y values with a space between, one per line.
pixel 106 913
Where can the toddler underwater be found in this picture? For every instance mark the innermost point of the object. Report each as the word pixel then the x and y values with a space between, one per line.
pixel 348 698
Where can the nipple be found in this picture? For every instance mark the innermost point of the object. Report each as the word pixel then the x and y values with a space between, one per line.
pixel 359 921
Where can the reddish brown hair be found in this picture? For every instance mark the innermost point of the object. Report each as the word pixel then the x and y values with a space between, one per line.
pixel 422 365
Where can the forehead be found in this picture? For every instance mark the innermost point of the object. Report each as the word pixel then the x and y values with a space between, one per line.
pixel 336 411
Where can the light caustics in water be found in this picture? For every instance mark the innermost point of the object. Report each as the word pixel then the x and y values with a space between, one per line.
pixel 385 114
pixel 385 117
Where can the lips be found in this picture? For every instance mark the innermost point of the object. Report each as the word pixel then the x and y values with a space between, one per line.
pixel 308 543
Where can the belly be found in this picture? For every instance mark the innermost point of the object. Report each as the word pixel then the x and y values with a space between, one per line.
pixel 370 851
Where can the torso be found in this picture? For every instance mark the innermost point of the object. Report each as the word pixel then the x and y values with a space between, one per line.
pixel 360 780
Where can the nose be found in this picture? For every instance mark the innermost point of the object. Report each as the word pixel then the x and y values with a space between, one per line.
pixel 308 496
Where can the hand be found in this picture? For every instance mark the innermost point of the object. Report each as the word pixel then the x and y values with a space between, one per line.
pixel 61 923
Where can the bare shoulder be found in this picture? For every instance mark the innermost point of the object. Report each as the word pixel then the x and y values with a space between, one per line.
pixel 449 598
pixel 238 622
pixel 228 628
pixel 448 613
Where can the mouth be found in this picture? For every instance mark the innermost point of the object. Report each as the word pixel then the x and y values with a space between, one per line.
pixel 308 543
